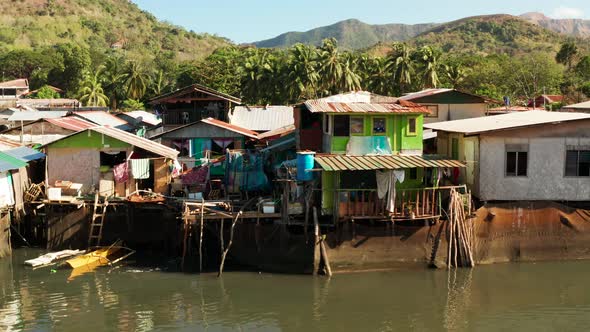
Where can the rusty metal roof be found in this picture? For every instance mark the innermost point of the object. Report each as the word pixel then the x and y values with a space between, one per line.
pixel 229 126
pixel 321 106
pixel 71 123
pixel 131 139
pixel 334 162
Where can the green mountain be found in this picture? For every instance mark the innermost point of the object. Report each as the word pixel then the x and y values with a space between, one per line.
pixel 351 34
pixel 490 34
pixel 97 24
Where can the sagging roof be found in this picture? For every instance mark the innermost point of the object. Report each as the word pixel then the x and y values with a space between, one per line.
pixel 143 116
pixel 25 154
pixel 191 88
pixel 415 96
pixel 214 122
pixel 229 126
pixel 21 83
pixel 321 106
pixel 104 119
pixel 131 139
pixel 484 124
pixel 262 118
pixel 56 89
pixel 8 162
pixel 581 106
pixel 278 132
pixel 71 123
pixel 336 162
pixel 36 115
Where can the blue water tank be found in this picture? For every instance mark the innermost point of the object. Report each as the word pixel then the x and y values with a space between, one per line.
pixel 305 161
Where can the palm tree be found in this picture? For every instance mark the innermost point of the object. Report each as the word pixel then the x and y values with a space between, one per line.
pixel 429 60
pixel 350 80
pixel 113 80
pixel 158 83
pixel 330 66
pixel 302 75
pixel 455 74
pixel 136 81
pixel 257 74
pixel 91 92
pixel 379 77
pixel 399 61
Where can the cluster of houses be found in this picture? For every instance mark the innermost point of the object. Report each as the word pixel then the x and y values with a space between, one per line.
pixel 352 156
pixel 201 143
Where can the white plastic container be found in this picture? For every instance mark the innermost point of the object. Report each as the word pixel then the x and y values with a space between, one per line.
pixel 268 207
pixel 54 194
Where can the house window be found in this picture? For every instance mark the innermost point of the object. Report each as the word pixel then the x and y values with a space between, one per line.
pixel 357 126
pixel 412 124
pixel 341 125
pixel 379 126
pixel 433 111
pixel 516 163
pixel 577 163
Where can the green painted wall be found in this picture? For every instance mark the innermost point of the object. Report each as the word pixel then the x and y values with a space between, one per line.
pixel 328 180
pixel 89 139
pixel 396 131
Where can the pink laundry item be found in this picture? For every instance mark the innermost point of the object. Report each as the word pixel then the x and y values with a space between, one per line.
pixel 121 172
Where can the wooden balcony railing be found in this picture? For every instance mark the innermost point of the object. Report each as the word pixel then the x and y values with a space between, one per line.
pixel 422 203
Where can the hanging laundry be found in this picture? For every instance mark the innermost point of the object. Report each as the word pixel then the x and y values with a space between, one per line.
pixel 197 175
pixel 121 172
pixel 140 168
pixel 176 168
pixel 400 175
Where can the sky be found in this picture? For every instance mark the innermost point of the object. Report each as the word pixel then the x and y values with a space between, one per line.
pixel 245 21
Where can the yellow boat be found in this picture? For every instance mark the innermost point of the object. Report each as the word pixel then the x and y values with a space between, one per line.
pixel 95 258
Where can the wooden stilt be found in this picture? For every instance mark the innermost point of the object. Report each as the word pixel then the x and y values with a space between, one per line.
pixel 325 257
pixel 316 242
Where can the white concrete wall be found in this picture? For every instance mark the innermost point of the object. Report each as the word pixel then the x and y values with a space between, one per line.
pixel 545 178
pixel 448 112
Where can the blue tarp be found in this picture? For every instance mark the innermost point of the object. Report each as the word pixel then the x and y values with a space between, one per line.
pixel 25 154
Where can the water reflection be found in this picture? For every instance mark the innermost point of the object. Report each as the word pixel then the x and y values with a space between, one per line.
pixel 510 297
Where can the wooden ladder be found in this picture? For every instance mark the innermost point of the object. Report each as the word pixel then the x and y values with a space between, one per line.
pixel 97 221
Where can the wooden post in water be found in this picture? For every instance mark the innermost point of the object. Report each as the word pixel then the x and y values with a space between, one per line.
pixel 316 242
pixel 201 235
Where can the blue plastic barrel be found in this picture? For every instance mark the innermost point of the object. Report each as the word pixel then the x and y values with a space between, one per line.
pixel 305 161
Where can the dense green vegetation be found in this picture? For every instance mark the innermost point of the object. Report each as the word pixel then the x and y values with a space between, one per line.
pixel 111 53
pixel 274 76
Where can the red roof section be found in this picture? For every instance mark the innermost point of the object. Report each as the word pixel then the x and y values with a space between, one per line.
pixel 72 123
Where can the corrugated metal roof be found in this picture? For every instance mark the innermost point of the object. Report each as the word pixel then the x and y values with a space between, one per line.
pixel 584 105
pixel 8 162
pixel 320 106
pixel 25 153
pixel 429 92
pixel 195 87
pixel 229 126
pixel 21 83
pixel 131 139
pixel 262 118
pixel 505 121
pixel 103 119
pixel 34 116
pixel 334 162
pixel 137 141
pixel 143 116
pixel 72 123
